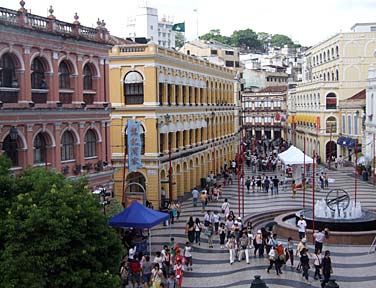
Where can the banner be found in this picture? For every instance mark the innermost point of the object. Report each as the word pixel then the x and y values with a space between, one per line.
pixel 134 145
pixel 178 27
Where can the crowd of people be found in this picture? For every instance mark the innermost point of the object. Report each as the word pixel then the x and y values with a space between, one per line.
pixel 168 266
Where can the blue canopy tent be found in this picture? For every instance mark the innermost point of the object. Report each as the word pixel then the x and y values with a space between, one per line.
pixel 138 216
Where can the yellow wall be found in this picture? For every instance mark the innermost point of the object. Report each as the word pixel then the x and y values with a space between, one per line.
pixel 208 88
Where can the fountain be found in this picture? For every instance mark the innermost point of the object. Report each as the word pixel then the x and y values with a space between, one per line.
pixel 348 222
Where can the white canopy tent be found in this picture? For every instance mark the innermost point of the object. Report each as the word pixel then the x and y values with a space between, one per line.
pixel 295 157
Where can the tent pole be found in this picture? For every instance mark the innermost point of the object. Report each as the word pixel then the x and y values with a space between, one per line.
pixel 150 242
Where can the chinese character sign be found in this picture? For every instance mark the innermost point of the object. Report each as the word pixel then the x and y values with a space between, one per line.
pixel 134 145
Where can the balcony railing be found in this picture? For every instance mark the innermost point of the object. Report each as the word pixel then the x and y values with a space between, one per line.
pixel 9 95
pixel 89 98
pixel 39 96
pixel 66 98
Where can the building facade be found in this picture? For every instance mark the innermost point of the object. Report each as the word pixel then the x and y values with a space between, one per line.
pixel 186 109
pixel 334 70
pixel 370 119
pixel 54 96
pixel 264 112
pixel 147 24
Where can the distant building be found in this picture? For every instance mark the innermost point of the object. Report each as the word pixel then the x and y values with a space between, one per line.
pixel 214 52
pixel 54 95
pixel 264 112
pixel 334 70
pixel 146 24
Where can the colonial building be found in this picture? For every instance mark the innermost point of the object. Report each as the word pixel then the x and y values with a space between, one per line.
pixel 334 70
pixel 264 112
pixel 369 149
pixel 54 100
pixel 186 108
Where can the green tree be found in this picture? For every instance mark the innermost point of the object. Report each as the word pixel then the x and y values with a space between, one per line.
pixel 179 40
pixel 246 39
pixel 279 40
pixel 215 34
pixel 54 234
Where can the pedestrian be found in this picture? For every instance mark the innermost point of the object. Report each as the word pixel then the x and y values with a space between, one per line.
pixel 171 281
pixel 266 184
pixel 248 184
pixel 293 188
pixel 272 258
pixel 290 251
pixel 319 237
pixel 275 185
pixel 135 269
pixel 124 274
pixel 178 209
pixel 173 212
pixel 253 184
pixel 302 225
pixel 179 273
pixel 317 263
pixel 167 262
pixel 280 257
pixel 209 232
pixel 198 228
pixel 208 218
pixel 216 219
pixel 163 196
pixel 321 180
pixel 146 268
pixel 203 199
pixel 188 255
pixel 195 194
pixel 231 246
pixel 190 229
pixel 257 243
pixel 156 276
pixel 304 261
pixel 326 180
pixel 222 234
pixel 243 247
pixel 225 208
pixel 326 268
pixel 299 249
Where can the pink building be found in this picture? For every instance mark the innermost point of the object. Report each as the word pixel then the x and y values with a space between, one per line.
pixel 54 99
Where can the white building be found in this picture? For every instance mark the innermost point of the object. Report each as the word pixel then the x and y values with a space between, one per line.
pixel 146 24
pixel 370 121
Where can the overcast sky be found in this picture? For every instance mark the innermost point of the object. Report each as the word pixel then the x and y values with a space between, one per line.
pixel 306 22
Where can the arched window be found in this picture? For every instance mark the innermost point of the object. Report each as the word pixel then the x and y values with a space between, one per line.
pixel 90 144
pixel 37 74
pixel 64 76
pixel 7 71
pixel 88 78
pixel 67 146
pixel 337 75
pixel 331 125
pixel 10 148
pixel 333 53
pixel 328 76
pixel 331 101
pixel 337 51
pixel 134 88
pixel 40 151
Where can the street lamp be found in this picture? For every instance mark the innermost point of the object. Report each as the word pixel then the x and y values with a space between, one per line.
pixel 258 282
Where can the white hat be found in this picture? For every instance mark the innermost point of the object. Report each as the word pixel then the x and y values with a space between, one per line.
pixel 236 223
pixel 239 218
pixel 304 240
pixel 258 231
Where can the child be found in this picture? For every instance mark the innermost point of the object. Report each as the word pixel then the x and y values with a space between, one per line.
pixel 178 273
pixel 171 281
pixel 188 255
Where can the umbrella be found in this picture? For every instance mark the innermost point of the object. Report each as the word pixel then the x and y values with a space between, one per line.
pixel 364 160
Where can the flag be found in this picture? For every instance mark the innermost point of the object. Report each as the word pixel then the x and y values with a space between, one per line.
pixel 179 27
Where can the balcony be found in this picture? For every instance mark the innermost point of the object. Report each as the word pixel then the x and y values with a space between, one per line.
pixel 39 96
pixel 66 98
pixel 9 95
pixel 89 97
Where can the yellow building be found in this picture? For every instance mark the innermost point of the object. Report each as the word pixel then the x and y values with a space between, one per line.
pixel 334 70
pixel 186 109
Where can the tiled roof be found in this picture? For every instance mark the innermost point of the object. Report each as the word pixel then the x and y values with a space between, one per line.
pixel 274 89
pixel 361 95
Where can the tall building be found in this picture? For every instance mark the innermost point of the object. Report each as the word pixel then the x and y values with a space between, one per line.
pixel 334 70
pixel 54 100
pixel 146 24
pixel 187 113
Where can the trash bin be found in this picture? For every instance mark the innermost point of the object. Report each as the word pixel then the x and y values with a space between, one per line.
pixel 365 175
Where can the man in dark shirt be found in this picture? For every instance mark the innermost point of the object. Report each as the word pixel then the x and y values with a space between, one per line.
pixel 275 181
pixel 326 268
